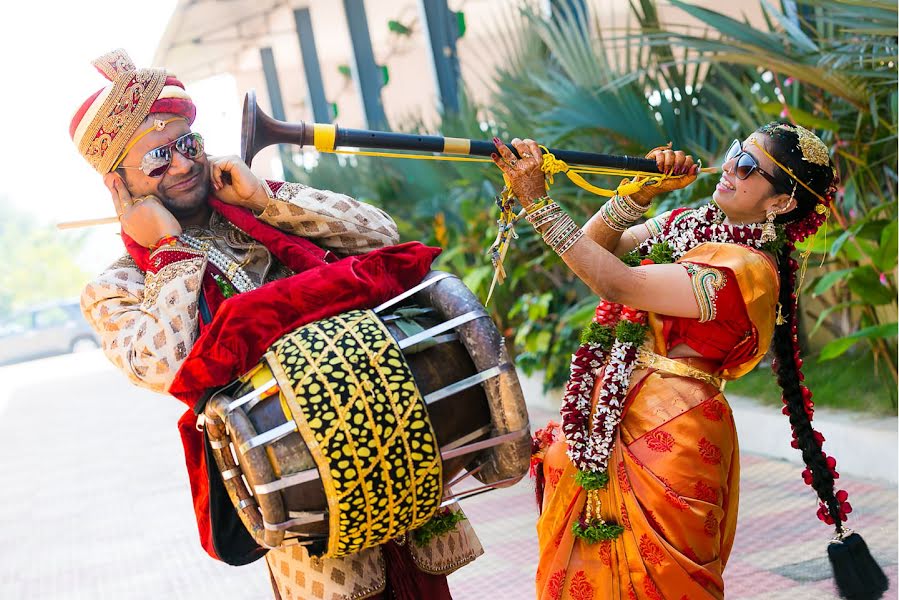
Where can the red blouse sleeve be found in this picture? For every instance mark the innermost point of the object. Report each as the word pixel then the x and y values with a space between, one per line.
pixel 736 288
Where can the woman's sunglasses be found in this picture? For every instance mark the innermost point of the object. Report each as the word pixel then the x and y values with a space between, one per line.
pixel 746 164
pixel 157 161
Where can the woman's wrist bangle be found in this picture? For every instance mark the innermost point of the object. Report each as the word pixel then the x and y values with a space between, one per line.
pixel 537 204
pixel 546 216
pixel 572 239
pixel 620 212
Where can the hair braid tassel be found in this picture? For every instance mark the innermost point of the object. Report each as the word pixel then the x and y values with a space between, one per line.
pixel 856 573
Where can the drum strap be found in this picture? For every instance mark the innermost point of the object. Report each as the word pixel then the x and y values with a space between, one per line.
pixel 271 435
pixel 411 291
pixel 445 326
pixel 464 384
pixel 447 454
pixel 253 395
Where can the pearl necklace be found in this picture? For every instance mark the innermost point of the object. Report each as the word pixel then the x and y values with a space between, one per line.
pixel 222 262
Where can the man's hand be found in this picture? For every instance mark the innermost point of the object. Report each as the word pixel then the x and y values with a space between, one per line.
pixel 244 188
pixel 144 219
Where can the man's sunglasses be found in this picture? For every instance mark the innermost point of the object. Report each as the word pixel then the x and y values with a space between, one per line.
pixel 746 164
pixel 157 161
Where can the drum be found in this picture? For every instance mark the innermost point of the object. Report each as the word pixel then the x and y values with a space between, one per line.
pixel 353 430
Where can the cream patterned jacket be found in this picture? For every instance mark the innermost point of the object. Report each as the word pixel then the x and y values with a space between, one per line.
pixel 148 322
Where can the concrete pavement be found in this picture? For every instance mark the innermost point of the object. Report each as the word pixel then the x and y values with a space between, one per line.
pixel 97 506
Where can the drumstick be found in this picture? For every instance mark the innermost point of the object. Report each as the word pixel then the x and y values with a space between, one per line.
pixel 226 178
pixel 86 223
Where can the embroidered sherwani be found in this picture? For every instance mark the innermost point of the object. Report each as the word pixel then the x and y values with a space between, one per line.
pixel 149 321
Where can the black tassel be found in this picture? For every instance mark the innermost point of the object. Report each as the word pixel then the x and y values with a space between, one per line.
pixel 857 574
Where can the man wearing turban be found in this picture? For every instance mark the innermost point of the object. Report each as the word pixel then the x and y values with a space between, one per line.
pixel 199 230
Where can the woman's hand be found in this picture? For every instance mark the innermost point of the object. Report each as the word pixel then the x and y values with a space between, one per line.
pixel 244 188
pixel 144 219
pixel 672 162
pixel 525 174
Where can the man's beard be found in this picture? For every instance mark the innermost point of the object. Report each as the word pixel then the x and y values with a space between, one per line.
pixel 186 203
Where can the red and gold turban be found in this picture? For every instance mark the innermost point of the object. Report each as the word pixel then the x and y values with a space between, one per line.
pixel 106 121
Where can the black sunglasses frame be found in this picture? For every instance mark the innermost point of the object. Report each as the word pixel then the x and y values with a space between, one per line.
pixel 753 166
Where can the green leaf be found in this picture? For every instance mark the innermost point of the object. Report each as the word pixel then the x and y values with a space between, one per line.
pixel 840 345
pixel 829 310
pixel 865 282
pixel 806 119
pixel 826 281
pixel 889 239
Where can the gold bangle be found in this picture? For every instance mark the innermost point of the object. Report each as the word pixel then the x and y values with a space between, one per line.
pixel 633 237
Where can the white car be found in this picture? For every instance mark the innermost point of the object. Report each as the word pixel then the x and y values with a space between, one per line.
pixel 46 330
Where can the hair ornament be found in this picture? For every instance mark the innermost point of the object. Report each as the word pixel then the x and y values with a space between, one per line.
pixel 813 149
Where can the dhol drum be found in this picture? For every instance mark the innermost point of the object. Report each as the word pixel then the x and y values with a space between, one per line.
pixel 353 430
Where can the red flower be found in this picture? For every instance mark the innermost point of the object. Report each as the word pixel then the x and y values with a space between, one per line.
pixel 676 500
pixel 605 552
pixel 711 524
pixel 633 315
pixel 622 478
pixel 558 539
pixel 652 592
pixel 607 313
pixel 650 551
pixel 659 441
pixel 713 410
pixel 579 588
pixel 553 475
pixel 555 584
pixel 711 454
pixel 631 592
pixel 705 492
pixel 625 518
pixel 653 522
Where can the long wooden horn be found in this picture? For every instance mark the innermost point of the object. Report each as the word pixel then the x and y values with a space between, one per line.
pixel 260 130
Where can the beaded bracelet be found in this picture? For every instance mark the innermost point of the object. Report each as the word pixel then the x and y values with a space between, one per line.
pixel 562 236
pixel 566 245
pixel 620 212
pixel 549 216
pixel 560 230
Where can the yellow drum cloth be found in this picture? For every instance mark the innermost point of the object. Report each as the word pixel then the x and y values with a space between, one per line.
pixel 348 387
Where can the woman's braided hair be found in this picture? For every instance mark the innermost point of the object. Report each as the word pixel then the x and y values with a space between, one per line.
pixel 792 145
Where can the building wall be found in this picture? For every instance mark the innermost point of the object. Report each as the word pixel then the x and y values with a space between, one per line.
pixel 212 38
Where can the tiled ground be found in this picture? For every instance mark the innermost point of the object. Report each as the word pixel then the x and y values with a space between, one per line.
pixel 96 506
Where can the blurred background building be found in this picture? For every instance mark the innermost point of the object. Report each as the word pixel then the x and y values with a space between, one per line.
pixel 362 64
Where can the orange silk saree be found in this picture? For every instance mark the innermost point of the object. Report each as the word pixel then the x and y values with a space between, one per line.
pixel 674 467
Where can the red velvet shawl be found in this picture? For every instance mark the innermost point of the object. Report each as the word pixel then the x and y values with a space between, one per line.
pixel 244 326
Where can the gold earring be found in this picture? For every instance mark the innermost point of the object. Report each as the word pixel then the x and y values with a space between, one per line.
pixel 769 233
pixel 779 319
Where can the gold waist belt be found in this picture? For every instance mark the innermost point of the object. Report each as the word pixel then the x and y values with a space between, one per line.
pixel 651 360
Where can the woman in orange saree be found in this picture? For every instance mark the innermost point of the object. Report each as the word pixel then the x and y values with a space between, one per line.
pixel 638 487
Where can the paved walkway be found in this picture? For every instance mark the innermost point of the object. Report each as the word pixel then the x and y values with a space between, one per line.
pixel 88 457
